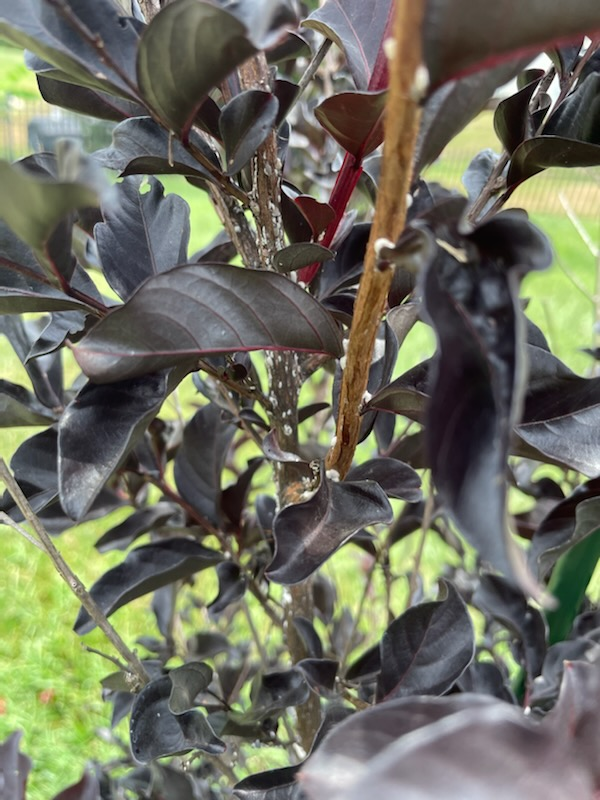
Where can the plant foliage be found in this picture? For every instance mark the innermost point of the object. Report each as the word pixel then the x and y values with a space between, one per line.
pixel 232 497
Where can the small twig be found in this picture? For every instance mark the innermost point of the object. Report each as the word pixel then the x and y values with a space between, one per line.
pixel 402 117
pixel 264 656
pixel 223 181
pixel 112 659
pixel 310 71
pixel 359 612
pixel 12 524
pixel 64 570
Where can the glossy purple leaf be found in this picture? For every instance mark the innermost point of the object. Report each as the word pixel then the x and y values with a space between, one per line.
pixel 146 569
pixel 512 118
pixel 320 673
pixel 245 123
pixel 141 146
pixel 457 757
pixel 427 648
pixel 142 235
pixel 233 498
pixel 578 116
pixel 358 29
pixel 486 678
pixel 308 533
pixel 232 587
pixel 535 155
pixel 496 597
pixel 574 713
pixel 561 415
pixel 275 784
pixel 273 692
pixel 34 468
pixel 43 30
pixel 91 102
pixel 395 478
pixel 310 638
pixel 14 768
pixel 569 522
pixel 97 430
pixel 215 43
pixel 317 214
pixel 155 731
pixel 354 120
pixel 459 37
pixel 451 107
pixel 301 254
pixel 476 384
pixel 267 21
pixel 137 524
pixel 204 308
pixel 200 460
pixel 187 682
pixel 18 406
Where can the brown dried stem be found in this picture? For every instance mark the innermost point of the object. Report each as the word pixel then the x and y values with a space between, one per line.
pixel 401 125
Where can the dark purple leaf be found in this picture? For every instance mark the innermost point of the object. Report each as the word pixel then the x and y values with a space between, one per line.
pixel 136 525
pixel 18 406
pixel 485 678
pixel 187 682
pixel 561 417
pixel 34 468
pixel 574 714
pixel 286 93
pixel 427 648
pixel 141 146
pixel 14 768
pixel 200 459
pixel 220 249
pixel 146 569
pixel 215 43
pixel 358 29
pixel 50 35
pixel 478 173
pixel 461 38
pixel 308 533
pixel 578 116
pixel 512 118
pixel 545 690
pixel 97 430
pixel 505 603
pixel 199 309
pixel 354 119
pixel 457 757
pixel 299 255
pixel 319 672
pixel 273 692
pixel 156 732
pixel 275 784
pixel 476 383
pixel 207 645
pixel 306 412
pixel 232 587
pixel 318 215
pixel 87 788
pixel 536 155
pixel 266 21
pixel 366 667
pixel 91 102
pixel 310 638
pixel 407 395
pixel 245 123
pixel 142 235
pixel 395 478
pixel 233 498
pixel 291 48
pixel 569 522
pixel 451 107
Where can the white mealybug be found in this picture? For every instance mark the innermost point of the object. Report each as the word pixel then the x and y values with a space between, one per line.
pixel 420 83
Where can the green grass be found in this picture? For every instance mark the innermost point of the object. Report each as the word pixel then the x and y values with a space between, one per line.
pixel 49 686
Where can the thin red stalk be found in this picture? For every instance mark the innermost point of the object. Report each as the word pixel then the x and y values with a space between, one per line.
pixel 351 169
